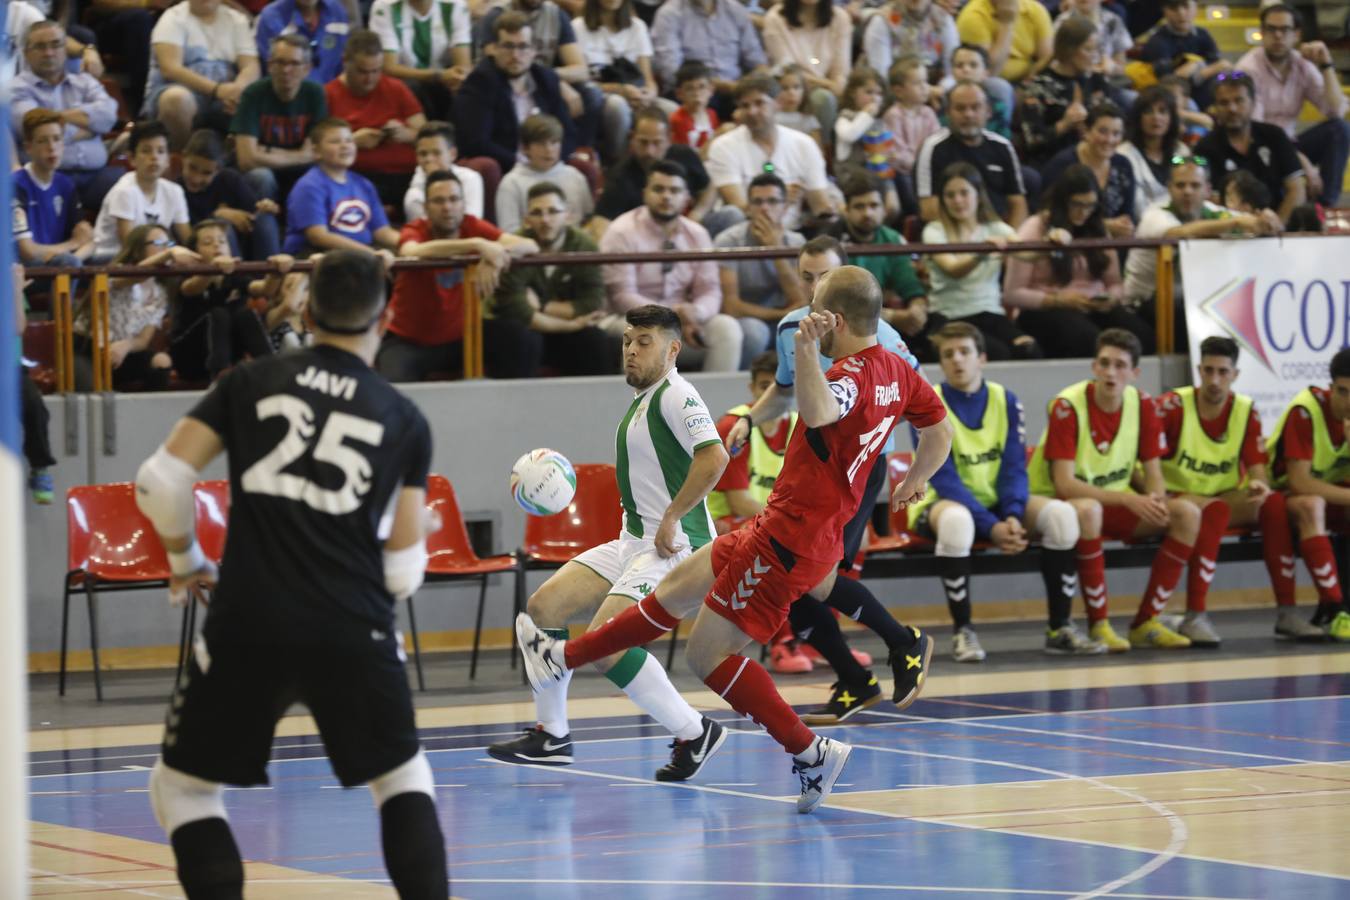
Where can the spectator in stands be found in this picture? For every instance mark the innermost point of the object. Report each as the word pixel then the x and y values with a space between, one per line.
pixel 1179 46
pixel 215 191
pixel 126 26
pixel 286 294
pixel 541 140
pixel 87 112
pixel 791 105
pixel 1264 150
pixel 911 121
pixel 1305 219
pixel 214 326
pixel 136 310
pixel 203 58
pixel 758 145
pixel 1243 192
pixel 142 196
pixel 48 222
pixel 817 36
pixel 758 291
pixel 1185 214
pixel 695 123
pixel 1015 33
pixel 1216 457
pixel 712 340
pixel 1287 74
pixel 549 314
pixel 427 44
pixel 980 493
pixel 1113 37
pixel 271 126
pixel 864 211
pixel 625 181
pixel 1099 432
pixel 436 152
pixel 966 139
pixel 1103 130
pixel 919 28
pixel 426 325
pixel 1055 103
pixel 1308 449
pixel 505 88
pixel 718 32
pixel 618 50
pixel 968 287
pixel 971 63
pixel 555 46
pixel 332 207
pixel 1152 139
pixel 322 24
pixel 1194 123
pixel 1067 297
pixel 383 113
pixel 865 143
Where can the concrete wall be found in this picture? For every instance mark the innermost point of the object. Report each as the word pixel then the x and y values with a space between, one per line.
pixel 479 429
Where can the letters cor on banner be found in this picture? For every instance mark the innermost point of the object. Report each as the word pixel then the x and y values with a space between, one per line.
pixel 1286 301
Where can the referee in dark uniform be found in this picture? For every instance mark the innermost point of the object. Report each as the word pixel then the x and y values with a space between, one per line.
pixel 328 466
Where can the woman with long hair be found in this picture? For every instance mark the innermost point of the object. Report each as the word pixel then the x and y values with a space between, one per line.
pixel 1097 150
pixel 1152 139
pixel 1065 298
pixel 818 36
pixel 1055 103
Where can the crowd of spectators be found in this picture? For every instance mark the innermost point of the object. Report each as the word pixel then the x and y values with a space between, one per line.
pixel 214 131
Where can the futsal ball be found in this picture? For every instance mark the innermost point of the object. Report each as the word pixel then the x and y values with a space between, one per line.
pixel 543 482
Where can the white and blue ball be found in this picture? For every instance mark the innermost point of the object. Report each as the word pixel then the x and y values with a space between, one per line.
pixel 543 482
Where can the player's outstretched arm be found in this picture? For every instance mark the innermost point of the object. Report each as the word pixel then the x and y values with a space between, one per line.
pixel 405 551
pixel 935 444
pixel 771 405
pixel 817 405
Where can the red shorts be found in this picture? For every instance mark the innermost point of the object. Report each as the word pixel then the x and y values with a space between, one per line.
pixel 1118 523
pixel 758 579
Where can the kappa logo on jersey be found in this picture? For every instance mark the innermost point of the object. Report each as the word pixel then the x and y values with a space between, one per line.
pixel 745 588
pixel 692 403
pixel 351 216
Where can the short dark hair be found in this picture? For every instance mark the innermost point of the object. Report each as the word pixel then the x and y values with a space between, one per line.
pixel 755 84
pixel 959 331
pixel 437 128
pixel 766 362
pixel 42 26
pixel 292 39
pixel 692 70
pixel 974 48
pixel 443 175
pixel 363 42
pixel 204 224
pixel 1304 219
pixel 1218 345
pixel 1235 78
pixel 1272 8
pixel 545 188
pixel 1340 364
pixel 1250 189
pixel 323 126
pixel 853 293
pixel 767 179
pixel 1104 110
pixel 146 129
pixel 1121 340
pixel 670 169
pixel 512 21
pixel 652 113
pixel 346 291
pixel 538 128
pixel 205 144
pixel 656 316
pixel 860 183
pixel 822 244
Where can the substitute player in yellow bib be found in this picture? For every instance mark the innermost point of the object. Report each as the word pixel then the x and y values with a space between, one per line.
pixel 1098 431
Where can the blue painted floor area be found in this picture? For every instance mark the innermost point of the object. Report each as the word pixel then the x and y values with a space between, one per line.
pixel 601 829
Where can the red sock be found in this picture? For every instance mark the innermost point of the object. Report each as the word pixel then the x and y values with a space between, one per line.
pixel 1277 544
pixel 1213 523
pixel 635 626
pixel 1321 562
pixel 1092 575
pixel 750 690
pixel 1162 579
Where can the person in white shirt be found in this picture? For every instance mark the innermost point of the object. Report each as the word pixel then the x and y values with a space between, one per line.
pixel 436 151
pixel 618 49
pixel 541 141
pixel 141 196
pixel 427 44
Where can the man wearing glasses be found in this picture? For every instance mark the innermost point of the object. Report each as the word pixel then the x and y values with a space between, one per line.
pixel 322 23
pixel 271 126
pixel 1287 74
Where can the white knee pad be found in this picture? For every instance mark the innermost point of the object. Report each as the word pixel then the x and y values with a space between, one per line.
pixel 178 798
pixel 413 777
pixel 1058 526
pixel 955 531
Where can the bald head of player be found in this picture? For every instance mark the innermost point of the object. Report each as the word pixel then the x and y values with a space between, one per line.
pixel 651 342
pixel 854 296
pixel 347 301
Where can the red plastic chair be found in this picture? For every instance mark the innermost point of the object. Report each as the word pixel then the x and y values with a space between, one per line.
pixel 450 557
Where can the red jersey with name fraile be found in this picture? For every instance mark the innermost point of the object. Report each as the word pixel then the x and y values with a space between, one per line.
pixel 825 471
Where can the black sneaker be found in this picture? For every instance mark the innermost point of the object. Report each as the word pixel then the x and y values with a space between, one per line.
pixel 687 757
pixel 536 747
pixel 845 700
pixel 910 667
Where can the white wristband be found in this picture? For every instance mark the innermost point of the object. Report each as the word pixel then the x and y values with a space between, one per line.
pixel 190 560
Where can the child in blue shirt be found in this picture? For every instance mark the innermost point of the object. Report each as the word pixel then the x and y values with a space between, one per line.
pixel 332 207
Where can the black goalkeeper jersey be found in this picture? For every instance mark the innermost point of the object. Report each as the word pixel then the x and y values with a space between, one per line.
pixel 319 446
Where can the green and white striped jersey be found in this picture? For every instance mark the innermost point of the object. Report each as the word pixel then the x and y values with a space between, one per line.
pixel 655 444
pixel 421 41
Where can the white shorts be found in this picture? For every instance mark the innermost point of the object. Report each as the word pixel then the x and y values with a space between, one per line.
pixel 631 565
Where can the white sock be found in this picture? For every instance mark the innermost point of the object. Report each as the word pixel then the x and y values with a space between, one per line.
pixel 651 689
pixel 550 706
pixel 813 752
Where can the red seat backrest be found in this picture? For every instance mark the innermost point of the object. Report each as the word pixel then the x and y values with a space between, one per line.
pixel 451 543
pixel 106 535
pixel 593 518
pixel 212 502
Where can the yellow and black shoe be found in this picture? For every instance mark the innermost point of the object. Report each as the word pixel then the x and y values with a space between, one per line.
pixel 910 668
pixel 845 701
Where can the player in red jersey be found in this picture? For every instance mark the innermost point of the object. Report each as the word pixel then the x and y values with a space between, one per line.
pixel 746 580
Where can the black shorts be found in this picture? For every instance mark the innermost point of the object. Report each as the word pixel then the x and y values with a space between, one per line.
pixel 856 529
pixel 225 708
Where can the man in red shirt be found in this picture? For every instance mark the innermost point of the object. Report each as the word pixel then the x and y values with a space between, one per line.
pixel 746 580
pixel 383 112
pixel 426 326
pixel 1216 458
pixel 1093 472
pixel 1312 458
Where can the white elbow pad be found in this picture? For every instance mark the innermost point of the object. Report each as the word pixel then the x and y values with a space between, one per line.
pixel 404 569
pixel 164 493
